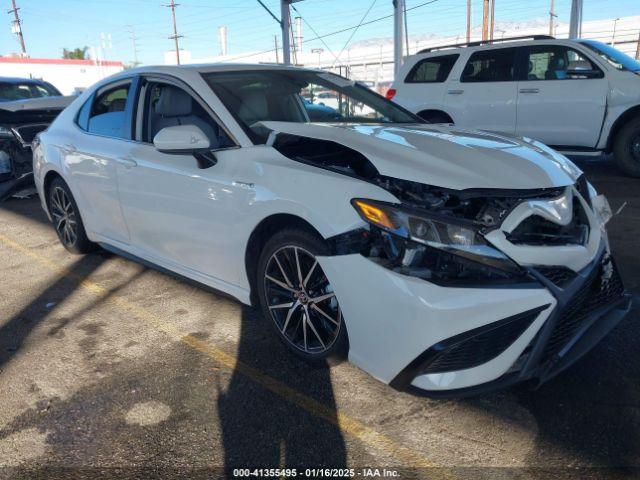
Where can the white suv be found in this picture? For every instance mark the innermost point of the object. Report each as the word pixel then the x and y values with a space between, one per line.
pixel 575 95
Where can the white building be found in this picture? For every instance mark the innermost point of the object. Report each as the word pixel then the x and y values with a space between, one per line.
pixel 67 75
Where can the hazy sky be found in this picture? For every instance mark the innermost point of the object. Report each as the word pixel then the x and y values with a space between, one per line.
pixel 50 26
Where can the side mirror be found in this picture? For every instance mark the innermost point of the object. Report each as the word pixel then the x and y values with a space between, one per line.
pixel 183 139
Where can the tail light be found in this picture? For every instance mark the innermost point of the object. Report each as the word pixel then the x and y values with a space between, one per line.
pixel 390 93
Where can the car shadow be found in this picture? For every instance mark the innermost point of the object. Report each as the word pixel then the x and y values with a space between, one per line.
pixel 14 331
pixel 261 429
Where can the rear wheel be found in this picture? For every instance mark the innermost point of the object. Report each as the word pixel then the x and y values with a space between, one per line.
pixel 297 297
pixel 66 218
pixel 626 148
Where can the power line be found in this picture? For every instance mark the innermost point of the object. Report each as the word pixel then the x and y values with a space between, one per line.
pixel 320 37
pixel 354 32
pixel 314 32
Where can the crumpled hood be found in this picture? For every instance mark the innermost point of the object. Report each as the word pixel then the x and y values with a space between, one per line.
pixel 445 155
pixel 40 103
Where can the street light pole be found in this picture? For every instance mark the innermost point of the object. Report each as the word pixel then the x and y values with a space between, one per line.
pixel 613 37
pixel 575 24
pixel 319 52
pixel 398 27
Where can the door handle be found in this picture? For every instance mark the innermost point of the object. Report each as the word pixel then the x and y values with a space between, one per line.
pixel 529 90
pixel 127 162
pixel 455 92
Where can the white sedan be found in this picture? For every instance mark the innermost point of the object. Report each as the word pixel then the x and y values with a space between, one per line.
pixel 436 258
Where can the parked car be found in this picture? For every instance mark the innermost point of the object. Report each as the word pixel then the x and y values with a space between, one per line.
pixel 20 121
pixel 578 96
pixel 12 88
pixel 437 258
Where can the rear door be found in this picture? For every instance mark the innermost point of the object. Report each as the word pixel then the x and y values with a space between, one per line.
pixel 94 151
pixel 484 94
pixel 562 97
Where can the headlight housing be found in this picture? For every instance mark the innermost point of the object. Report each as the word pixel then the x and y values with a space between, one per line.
pixel 437 248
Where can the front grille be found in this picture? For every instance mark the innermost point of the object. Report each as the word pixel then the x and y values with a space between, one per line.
pixel 559 275
pixel 481 348
pixel 603 288
pixel 538 231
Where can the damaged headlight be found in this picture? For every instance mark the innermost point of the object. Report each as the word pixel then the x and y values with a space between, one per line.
pixel 423 244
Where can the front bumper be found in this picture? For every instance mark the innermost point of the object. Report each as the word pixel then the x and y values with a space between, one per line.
pixel 399 326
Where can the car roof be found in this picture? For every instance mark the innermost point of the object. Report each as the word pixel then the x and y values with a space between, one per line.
pixel 217 67
pixel 505 43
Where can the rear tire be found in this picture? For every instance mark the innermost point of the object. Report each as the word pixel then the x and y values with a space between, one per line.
pixel 297 298
pixel 626 148
pixel 66 218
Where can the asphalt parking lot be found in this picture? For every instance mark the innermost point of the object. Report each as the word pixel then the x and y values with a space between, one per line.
pixel 110 368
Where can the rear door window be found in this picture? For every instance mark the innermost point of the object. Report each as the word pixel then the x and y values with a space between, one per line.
pixel 109 115
pixel 432 70
pixel 495 65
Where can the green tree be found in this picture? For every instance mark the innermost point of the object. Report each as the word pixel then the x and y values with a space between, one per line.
pixel 76 53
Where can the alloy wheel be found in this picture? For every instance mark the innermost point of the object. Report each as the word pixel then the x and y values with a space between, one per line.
pixel 64 216
pixel 301 300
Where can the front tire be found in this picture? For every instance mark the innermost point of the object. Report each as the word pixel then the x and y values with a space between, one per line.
pixel 626 148
pixel 66 218
pixel 298 299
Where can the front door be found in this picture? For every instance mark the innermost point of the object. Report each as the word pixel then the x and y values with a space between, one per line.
pixel 556 104
pixel 179 210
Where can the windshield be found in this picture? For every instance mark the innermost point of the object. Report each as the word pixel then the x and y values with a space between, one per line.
pixel 615 57
pixel 19 91
pixel 300 96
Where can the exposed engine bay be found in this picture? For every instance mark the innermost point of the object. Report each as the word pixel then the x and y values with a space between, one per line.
pixel 485 207
pixel 20 122
pixel 441 238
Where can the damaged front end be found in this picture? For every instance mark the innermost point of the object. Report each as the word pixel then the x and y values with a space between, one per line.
pixel 20 122
pixel 434 233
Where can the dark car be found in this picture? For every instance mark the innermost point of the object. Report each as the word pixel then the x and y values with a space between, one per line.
pixel 24 88
pixel 27 107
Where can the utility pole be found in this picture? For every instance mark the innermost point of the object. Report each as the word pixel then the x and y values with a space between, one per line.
pixel 275 41
pixel 17 27
pixel 638 48
pixel 285 24
pixel 398 27
pixel 468 21
pixel 175 35
pixel 485 20
pixel 493 14
pixel 575 23
pixel 552 18
pixel 134 44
